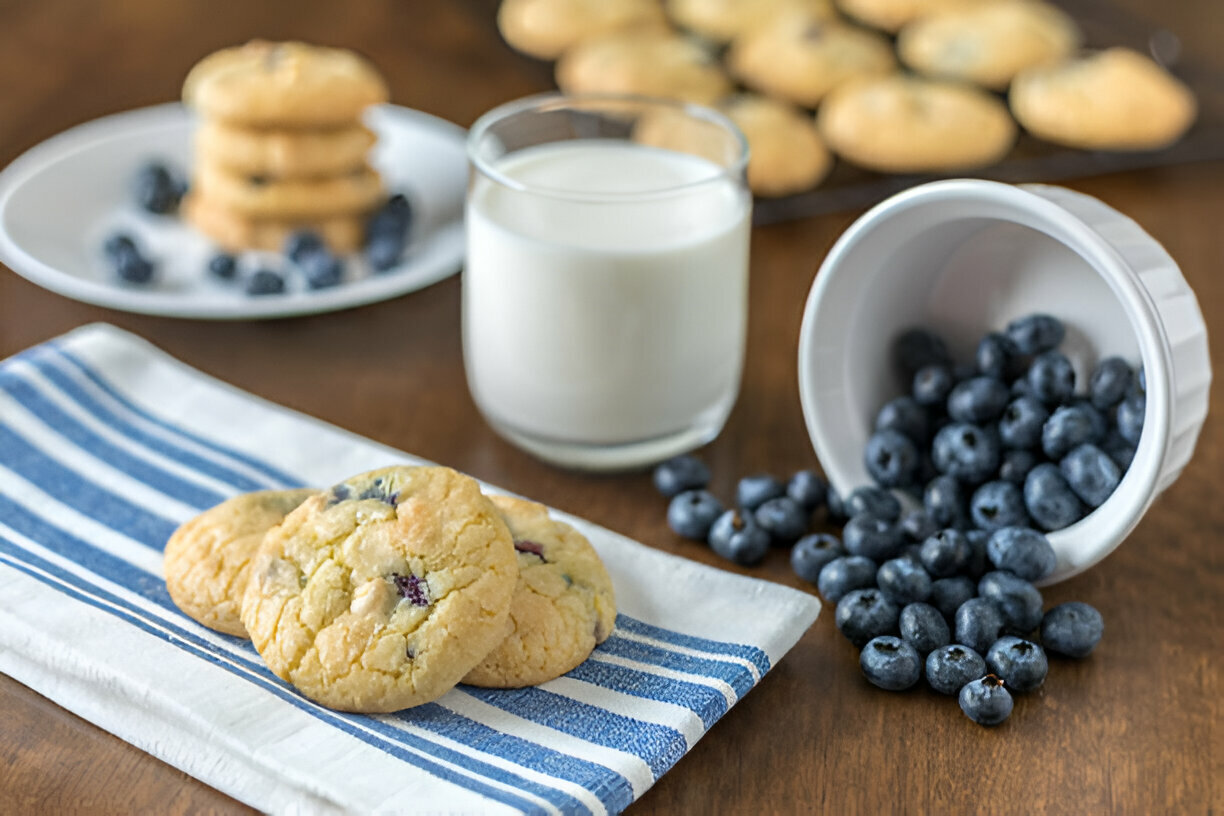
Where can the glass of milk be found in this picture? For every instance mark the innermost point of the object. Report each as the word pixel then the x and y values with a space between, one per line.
pixel 605 291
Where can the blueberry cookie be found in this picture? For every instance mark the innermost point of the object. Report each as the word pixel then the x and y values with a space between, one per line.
pixel 650 64
pixel 283 85
pixel 208 557
pixel 800 57
pixel 563 605
pixel 990 44
pixel 235 232
pixel 384 591
pixel 546 28
pixel 300 153
pixel 357 191
pixel 723 20
pixel 787 154
pixel 1112 100
pixel 902 124
pixel 891 15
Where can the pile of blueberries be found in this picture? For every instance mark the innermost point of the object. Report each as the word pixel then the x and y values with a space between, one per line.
pixel 995 453
pixel 159 191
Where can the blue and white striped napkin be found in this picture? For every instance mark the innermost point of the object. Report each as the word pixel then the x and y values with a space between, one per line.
pixel 107 444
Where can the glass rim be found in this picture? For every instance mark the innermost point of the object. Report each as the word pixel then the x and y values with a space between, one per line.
pixel 556 100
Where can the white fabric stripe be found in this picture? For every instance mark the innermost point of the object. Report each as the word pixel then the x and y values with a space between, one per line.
pixel 234 653
pixel 66 452
pixel 658 712
pixel 151 428
pixel 631 766
pixel 685 650
pixel 718 685
pixel 74 409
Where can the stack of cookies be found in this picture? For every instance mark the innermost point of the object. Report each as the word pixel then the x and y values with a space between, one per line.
pixel 388 589
pixel 281 146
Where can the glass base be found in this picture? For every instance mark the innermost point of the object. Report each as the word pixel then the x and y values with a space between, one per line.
pixel 602 457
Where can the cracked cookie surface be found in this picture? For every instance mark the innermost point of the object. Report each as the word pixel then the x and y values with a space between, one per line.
pixel 381 593
pixel 563 604
pixel 207 558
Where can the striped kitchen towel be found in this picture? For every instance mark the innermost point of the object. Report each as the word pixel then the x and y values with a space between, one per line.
pixel 107 444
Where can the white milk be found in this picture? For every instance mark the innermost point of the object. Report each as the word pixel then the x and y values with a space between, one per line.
pixel 602 317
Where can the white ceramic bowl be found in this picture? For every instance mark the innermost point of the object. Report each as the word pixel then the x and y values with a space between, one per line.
pixel 965 257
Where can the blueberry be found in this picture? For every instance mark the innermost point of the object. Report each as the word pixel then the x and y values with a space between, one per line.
pixel 904 580
pixel 872 537
pixel 923 627
pixel 986 701
pixel 736 537
pixel 1022 551
pixel 810 554
pixel 1015 466
pixel 1051 378
pixel 946 553
pixel 917 347
pixel 1119 450
pixel 692 513
pixel 873 501
pixel 1049 499
pixel 890 663
pixel 1036 333
pixel 1021 664
pixel 863 614
pixel 753 491
pixel 808 488
pixel 681 473
pixel 950 667
pixel 1100 425
pixel 1018 601
pixel 905 416
pixel 998 504
pixel 918 526
pixel 120 243
pixel 1110 381
pixel 265 282
pixel 1021 423
pixel 891 459
pixel 967 452
pixel 126 260
pixel 302 243
pixel 1068 427
pixel 391 221
pixel 157 190
pixel 841 575
pixel 1091 474
pixel 322 270
pixel 998 357
pixel 978 400
pixel 978 564
pixel 977 624
pixel 944 501
pixel 383 252
pixel 1072 629
pixel 932 384
pixel 783 519
pixel 1129 417
pixel 1140 384
pixel 947 594
pixel 223 266
pixel 836 507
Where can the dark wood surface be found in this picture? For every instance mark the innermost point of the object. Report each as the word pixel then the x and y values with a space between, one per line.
pixel 1135 729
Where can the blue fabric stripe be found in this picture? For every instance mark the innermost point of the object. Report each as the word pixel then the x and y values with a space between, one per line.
pixel 751 653
pixel 258 674
pixel 96 502
pixel 657 745
pixel 733 674
pixel 180 454
pixel 89 441
pixel 707 703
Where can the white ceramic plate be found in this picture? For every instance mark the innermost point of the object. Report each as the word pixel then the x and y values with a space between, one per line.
pixel 61 199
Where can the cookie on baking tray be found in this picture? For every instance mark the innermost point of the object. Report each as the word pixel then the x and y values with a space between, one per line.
pixel 989 44
pixel 357 191
pixel 891 15
pixel 235 232
pixel 1116 99
pixel 279 153
pixel 666 65
pixel 801 56
pixel 283 85
pixel 787 154
pixel 904 124
pixel 723 20
pixel 207 558
pixel 384 591
pixel 546 28
pixel 563 605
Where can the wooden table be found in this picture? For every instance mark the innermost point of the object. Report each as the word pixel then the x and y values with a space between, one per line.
pixel 1135 729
